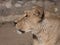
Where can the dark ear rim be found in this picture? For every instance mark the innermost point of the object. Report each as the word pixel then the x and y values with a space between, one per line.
pixel 42 17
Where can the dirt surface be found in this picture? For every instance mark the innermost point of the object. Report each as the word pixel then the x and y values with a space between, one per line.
pixel 9 36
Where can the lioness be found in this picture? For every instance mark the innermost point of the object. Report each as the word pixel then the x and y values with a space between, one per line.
pixel 45 27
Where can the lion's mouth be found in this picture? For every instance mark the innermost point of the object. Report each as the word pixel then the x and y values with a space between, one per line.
pixel 20 31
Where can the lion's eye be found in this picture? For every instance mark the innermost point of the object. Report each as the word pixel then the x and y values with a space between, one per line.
pixel 26 16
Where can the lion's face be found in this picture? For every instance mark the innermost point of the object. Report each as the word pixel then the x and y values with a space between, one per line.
pixel 30 21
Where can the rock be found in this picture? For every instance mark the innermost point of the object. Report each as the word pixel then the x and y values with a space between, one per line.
pixel 10 18
pixel 17 5
pixel 8 4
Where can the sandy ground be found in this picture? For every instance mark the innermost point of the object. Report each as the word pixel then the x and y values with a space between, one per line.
pixel 9 36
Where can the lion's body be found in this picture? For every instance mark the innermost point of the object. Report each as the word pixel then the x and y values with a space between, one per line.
pixel 47 31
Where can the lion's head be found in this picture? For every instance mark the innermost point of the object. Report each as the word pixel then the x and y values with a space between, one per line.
pixel 31 20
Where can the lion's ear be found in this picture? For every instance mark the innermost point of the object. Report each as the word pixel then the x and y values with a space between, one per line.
pixel 37 10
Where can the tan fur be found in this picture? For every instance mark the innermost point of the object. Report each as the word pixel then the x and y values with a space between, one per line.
pixel 46 30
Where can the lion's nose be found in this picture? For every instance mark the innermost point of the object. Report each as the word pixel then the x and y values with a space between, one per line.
pixel 15 23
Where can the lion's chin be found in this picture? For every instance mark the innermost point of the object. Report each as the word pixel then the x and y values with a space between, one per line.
pixel 19 32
